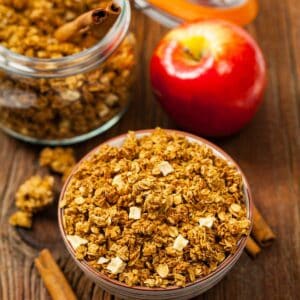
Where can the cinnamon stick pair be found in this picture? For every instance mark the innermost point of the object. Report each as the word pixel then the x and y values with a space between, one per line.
pixel 97 22
pixel 262 234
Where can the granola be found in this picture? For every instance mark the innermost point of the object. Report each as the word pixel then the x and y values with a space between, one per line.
pixel 59 108
pixel 21 219
pixel 33 195
pixel 159 211
pixel 59 160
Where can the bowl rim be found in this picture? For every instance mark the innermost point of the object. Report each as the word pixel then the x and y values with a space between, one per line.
pixel 228 260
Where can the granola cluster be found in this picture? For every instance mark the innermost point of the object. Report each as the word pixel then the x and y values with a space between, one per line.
pixel 159 211
pixel 32 196
pixel 58 108
pixel 58 160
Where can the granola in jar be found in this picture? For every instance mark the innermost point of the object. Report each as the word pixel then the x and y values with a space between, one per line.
pixel 58 98
pixel 158 211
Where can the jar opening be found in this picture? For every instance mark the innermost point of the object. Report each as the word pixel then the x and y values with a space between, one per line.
pixel 86 60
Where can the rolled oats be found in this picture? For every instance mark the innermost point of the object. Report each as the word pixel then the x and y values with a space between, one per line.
pixel 235 208
pixel 155 229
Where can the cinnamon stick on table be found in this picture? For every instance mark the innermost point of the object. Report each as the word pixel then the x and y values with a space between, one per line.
pixel 252 248
pixel 261 231
pixel 98 21
pixel 53 278
pixel 261 235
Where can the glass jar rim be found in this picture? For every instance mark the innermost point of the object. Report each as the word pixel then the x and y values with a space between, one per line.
pixel 241 12
pixel 84 61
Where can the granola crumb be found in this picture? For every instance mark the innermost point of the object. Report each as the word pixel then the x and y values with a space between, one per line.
pixel 236 208
pixel 21 219
pixel 59 160
pixel 35 194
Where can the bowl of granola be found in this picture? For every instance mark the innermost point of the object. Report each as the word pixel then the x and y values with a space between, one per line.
pixel 156 213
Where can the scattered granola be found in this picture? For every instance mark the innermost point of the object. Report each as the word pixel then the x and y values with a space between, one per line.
pixel 59 160
pixel 59 108
pixel 35 194
pixel 32 196
pixel 21 219
pixel 154 226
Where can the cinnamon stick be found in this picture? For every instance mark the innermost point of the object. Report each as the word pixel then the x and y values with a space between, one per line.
pixel 252 248
pixel 97 21
pixel 261 231
pixel 100 29
pixel 53 278
pixel 68 30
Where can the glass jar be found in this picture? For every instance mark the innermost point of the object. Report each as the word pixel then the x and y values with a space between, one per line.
pixel 70 99
pixel 173 13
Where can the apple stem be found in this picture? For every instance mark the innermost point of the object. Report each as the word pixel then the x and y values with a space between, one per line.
pixel 197 57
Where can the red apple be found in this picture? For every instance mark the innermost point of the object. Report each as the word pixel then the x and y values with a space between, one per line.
pixel 209 76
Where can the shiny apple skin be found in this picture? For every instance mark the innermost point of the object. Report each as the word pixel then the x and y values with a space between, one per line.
pixel 217 95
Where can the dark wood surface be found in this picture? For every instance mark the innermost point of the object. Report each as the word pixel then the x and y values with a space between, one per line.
pixel 268 151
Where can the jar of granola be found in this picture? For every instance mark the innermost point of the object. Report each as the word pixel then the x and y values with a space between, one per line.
pixel 61 93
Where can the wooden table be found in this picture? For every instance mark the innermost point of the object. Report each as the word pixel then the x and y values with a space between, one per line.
pixel 268 150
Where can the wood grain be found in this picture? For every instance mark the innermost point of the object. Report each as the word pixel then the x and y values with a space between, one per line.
pixel 268 151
